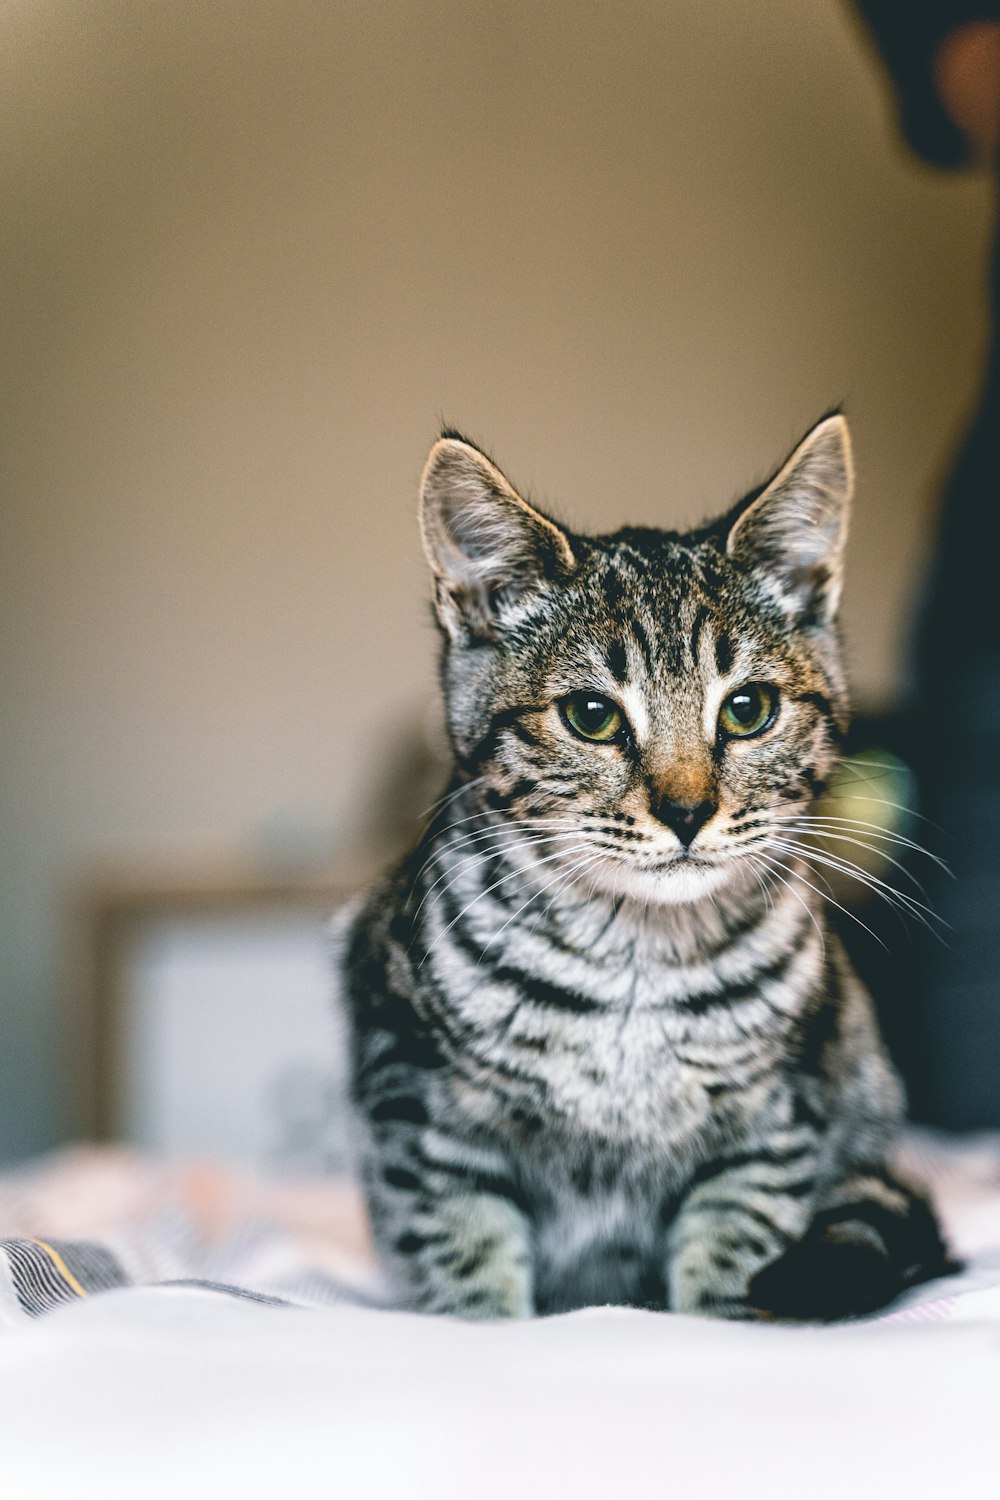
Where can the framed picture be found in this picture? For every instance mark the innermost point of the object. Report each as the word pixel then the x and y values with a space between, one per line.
pixel 211 1027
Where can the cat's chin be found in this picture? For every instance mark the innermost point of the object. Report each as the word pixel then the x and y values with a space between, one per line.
pixel 676 883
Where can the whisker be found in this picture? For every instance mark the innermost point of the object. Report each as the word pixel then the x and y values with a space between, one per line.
pixel 844 838
pixel 797 875
pixel 501 847
pixel 874 830
pixel 769 866
pixel 845 866
pixel 492 830
pixel 560 880
pixel 465 786
pixel 512 875
pixel 899 899
pixel 488 813
pixel 900 807
pixel 860 764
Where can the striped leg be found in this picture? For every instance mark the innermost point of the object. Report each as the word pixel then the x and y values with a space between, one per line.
pixel 455 1238
pixel 871 1238
pixel 737 1218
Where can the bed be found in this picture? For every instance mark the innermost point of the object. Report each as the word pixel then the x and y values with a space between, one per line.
pixel 249 1348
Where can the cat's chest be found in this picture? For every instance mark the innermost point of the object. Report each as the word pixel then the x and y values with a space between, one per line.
pixel 629 1072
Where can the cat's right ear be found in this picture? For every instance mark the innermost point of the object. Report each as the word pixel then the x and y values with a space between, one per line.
pixel 486 546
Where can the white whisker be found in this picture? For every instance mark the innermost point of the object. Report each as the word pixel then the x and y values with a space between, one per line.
pixel 511 875
pixel 797 875
pixel 897 899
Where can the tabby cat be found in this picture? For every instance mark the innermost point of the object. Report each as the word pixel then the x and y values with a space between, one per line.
pixel 606 1047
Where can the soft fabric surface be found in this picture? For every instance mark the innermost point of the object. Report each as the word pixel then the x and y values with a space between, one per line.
pixel 89 1221
pixel 175 1389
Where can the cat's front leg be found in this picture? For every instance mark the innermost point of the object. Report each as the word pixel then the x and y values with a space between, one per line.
pixel 454 1241
pixel 740 1216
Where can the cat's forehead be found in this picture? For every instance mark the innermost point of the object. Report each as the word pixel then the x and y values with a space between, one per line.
pixel 666 581
pixel 653 607
pixel 638 564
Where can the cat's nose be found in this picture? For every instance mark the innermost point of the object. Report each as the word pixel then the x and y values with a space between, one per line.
pixel 683 818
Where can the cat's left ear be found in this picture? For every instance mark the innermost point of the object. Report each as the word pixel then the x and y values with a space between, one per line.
pixel 793 534
pixel 486 546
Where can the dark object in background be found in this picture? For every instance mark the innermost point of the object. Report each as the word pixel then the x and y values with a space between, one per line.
pixel 942 1003
pixel 887 946
pixel 908 34
pixel 935 988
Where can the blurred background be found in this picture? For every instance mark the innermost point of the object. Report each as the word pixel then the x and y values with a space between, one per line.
pixel 252 255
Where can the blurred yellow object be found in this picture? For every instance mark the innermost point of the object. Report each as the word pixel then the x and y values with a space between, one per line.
pixel 864 820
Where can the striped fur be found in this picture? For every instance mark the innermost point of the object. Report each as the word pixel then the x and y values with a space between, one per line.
pixel 605 1046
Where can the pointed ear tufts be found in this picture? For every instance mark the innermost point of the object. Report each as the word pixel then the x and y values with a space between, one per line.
pixel 793 534
pixel 486 546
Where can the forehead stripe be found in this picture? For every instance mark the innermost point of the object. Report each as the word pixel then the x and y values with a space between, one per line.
pixel 614 589
pixel 724 653
pixel 617 660
pixel 642 640
pixel 699 620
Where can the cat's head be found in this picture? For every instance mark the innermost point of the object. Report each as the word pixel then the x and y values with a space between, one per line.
pixel 655 703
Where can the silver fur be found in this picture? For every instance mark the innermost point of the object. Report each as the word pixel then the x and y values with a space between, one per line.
pixel 599 1058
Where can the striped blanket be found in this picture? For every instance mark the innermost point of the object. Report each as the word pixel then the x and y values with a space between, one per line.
pixel 91 1221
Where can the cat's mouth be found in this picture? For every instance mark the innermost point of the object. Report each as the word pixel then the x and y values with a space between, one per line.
pixel 685 859
pixel 681 877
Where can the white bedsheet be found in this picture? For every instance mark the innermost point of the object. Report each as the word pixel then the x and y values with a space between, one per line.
pixel 149 1393
pixel 142 1394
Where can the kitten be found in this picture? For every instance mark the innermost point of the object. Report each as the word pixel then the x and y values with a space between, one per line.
pixel 606 1047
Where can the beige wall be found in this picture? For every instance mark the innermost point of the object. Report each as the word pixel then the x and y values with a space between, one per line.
pixel 254 252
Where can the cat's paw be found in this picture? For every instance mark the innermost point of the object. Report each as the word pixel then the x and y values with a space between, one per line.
pixel 851 1263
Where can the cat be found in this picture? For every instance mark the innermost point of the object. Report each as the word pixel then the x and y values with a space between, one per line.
pixel 606 1047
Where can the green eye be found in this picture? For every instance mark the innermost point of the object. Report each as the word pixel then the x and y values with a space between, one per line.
pixel 592 717
pixel 748 710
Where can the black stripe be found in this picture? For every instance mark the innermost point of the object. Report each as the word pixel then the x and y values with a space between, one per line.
pixel 724 653
pixel 763 1156
pixel 796 1187
pixel 399 1177
pixel 731 1206
pixel 699 620
pixel 642 640
pixel 614 590
pixel 821 703
pixel 740 1085
pixel 411 1243
pixel 490 1184
pixel 884 1220
pixel 617 660
pixel 475 1260
pixel 546 996
pixel 749 919
pixel 715 1066
pixel 805 1113
pixel 485 748
pixel 747 989
pixel 519 791
pixel 399 1107
pixel 549 996
pixel 819 1027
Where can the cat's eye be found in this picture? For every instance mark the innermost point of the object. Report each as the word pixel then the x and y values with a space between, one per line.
pixel 748 710
pixel 592 717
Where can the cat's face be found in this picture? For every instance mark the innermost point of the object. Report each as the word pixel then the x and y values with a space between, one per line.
pixel 645 708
